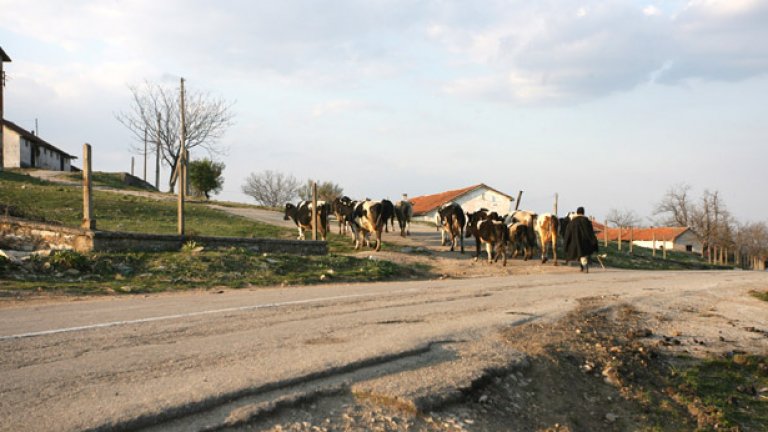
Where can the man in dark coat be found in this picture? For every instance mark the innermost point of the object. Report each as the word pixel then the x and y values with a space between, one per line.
pixel 580 240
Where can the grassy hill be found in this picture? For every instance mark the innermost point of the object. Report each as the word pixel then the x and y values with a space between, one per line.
pixel 41 200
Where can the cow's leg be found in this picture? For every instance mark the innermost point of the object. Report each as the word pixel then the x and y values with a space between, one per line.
pixel 301 233
pixel 489 250
pixel 461 239
pixel 442 238
pixel 378 240
pixel 554 249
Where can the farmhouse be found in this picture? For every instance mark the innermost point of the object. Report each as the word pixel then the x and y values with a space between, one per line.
pixel 470 199
pixel 671 238
pixel 24 149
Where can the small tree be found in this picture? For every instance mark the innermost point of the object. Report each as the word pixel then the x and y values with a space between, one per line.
pixel 271 188
pixel 205 176
pixel 326 191
pixel 622 218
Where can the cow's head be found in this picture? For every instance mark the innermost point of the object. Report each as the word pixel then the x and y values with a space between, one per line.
pixel 290 209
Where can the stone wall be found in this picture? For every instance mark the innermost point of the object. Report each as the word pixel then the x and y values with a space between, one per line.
pixel 19 234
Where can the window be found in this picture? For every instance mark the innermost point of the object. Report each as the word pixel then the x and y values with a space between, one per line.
pixel 689 248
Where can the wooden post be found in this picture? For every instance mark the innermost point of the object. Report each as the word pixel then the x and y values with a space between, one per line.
pixel 181 164
pixel 631 240
pixel 555 208
pixel 605 234
pixel 664 248
pixel 519 197
pixel 133 162
pixel 654 244
pixel 315 222
pixel 89 222
pixel 619 238
pixel 157 155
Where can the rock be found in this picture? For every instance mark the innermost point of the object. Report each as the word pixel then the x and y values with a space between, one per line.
pixel 611 417
pixel 483 399
pixel 126 288
pixel 72 272
pixel 611 376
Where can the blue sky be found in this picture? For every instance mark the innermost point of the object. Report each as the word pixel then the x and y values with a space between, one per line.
pixel 607 103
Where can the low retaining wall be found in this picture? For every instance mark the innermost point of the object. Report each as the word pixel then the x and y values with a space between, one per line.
pixel 19 234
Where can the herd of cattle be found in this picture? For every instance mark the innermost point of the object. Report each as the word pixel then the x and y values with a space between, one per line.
pixel 520 231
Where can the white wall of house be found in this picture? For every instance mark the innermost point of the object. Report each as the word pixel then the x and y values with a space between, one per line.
pixel 11 149
pixel 659 244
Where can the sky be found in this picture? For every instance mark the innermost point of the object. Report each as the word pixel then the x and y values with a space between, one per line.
pixel 607 104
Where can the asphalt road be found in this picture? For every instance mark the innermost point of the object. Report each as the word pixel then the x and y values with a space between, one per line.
pixel 132 362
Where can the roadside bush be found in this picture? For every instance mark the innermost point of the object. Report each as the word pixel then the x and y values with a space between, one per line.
pixel 67 259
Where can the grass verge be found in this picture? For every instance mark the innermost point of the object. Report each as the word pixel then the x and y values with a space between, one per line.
pixel 69 272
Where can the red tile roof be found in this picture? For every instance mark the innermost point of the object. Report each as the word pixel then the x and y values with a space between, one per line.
pixel 640 234
pixel 426 203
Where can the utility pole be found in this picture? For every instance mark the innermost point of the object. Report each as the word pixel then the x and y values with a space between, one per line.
pixel 519 197
pixel 3 59
pixel 157 155
pixel 182 163
pixel 145 156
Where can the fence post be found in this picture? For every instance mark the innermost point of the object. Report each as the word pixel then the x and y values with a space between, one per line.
pixel 89 222
pixel 619 228
pixel 605 234
pixel 664 248
pixel 653 253
pixel 631 240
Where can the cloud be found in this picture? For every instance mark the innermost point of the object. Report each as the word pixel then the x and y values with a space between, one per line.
pixel 336 107
pixel 544 52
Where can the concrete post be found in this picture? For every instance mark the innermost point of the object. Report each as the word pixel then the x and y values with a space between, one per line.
pixel 89 222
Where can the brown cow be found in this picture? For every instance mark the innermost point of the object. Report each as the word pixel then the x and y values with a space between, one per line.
pixel 490 230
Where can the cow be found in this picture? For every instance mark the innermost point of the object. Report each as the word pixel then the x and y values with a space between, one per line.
pixel 521 238
pixel 489 229
pixel 342 209
pixel 452 220
pixel 404 213
pixel 301 215
pixel 388 214
pixel 367 218
pixel 546 228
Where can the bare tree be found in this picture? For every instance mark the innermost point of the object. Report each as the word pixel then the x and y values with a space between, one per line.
pixel 675 207
pixel 622 218
pixel 326 191
pixel 207 119
pixel 271 188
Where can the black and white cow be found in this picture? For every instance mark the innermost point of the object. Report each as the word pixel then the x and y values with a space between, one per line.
pixel 451 219
pixel 301 215
pixel 488 229
pixel 367 218
pixel 404 213
pixel 342 208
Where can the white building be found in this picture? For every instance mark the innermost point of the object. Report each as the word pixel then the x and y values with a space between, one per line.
pixel 470 199
pixel 670 238
pixel 23 149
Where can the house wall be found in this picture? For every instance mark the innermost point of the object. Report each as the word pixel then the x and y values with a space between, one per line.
pixel 688 238
pixel 11 149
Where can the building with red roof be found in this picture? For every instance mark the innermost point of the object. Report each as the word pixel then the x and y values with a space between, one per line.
pixel 671 238
pixel 470 199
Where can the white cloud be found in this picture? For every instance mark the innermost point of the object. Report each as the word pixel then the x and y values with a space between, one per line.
pixel 336 107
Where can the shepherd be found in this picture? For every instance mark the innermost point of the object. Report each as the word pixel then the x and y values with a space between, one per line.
pixel 580 240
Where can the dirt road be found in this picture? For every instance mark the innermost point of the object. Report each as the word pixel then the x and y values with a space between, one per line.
pixel 205 360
